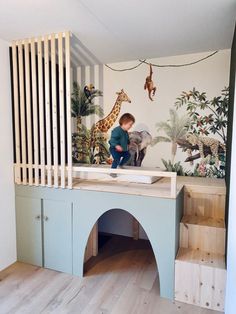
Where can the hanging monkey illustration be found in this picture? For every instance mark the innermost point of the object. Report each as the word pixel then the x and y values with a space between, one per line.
pixel 149 85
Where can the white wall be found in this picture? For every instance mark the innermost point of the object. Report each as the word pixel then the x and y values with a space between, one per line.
pixel 7 193
pixel 231 250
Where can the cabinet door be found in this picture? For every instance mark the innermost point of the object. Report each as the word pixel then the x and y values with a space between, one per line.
pixel 29 230
pixel 58 235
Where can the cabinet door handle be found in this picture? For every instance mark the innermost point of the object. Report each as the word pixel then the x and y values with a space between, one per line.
pixel 38 217
pixel 46 218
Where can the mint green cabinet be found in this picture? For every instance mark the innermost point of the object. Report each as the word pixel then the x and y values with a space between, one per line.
pixel 57 235
pixel 29 230
pixel 44 233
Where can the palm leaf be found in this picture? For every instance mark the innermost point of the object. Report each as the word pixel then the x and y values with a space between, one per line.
pixel 159 139
pixel 81 105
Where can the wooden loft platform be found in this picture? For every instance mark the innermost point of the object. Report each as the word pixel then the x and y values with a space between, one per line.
pixel 161 188
pixel 101 180
pixel 157 189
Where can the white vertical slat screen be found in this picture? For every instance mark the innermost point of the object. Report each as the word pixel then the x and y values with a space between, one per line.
pixel 35 112
pixel 41 78
pixel 28 112
pixel 48 114
pixel 41 111
pixel 54 110
pixel 68 113
pixel 22 112
pixel 62 108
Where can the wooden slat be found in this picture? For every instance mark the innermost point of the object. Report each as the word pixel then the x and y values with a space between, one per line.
pixel 173 186
pixel 62 114
pixel 16 113
pixel 100 83
pixel 42 38
pixel 54 114
pixel 92 244
pixel 35 112
pixel 41 112
pixel 68 106
pixel 48 115
pixel 95 239
pixel 22 112
pixel 28 111
pixel 92 117
pixel 135 229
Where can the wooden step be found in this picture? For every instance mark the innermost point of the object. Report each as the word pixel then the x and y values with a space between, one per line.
pixel 200 257
pixel 203 221
pixel 200 278
pixel 203 233
pixel 203 200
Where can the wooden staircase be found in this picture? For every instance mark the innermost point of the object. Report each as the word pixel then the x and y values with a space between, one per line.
pixel 200 272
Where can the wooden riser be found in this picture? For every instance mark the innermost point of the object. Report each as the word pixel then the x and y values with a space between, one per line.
pixel 92 244
pixel 203 234
pixel 205 201
pixel 200 282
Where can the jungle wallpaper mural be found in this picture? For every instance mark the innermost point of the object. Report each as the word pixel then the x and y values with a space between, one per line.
pixel 181 130
pixel 192 133
pixel 91 145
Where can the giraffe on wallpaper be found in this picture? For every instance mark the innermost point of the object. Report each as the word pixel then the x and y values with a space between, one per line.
pixel 103 125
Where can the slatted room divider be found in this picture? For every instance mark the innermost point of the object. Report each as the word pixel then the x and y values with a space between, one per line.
pixel 41 83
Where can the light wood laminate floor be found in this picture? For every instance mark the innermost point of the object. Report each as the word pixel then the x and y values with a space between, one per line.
pixel 122 279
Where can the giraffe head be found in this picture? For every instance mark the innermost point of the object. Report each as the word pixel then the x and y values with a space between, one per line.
pixel 122 96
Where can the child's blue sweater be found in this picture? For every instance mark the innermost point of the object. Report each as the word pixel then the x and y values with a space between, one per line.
pixel 119 137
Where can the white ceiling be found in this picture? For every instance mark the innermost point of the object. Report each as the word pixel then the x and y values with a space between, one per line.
pixel 119 30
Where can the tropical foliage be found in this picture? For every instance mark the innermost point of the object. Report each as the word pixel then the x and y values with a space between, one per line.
pixel 101 151
pixel 81 145
pixel 174 129
pixel 208 170
pixel 207 116
pixel 176 167
pixel 83 106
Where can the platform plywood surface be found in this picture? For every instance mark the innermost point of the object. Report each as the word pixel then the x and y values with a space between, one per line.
pixel 160 188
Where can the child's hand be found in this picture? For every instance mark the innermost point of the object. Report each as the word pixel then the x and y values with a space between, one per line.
pixel 119 148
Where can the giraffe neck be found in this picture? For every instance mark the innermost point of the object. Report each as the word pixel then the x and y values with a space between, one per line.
pixel 112 116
